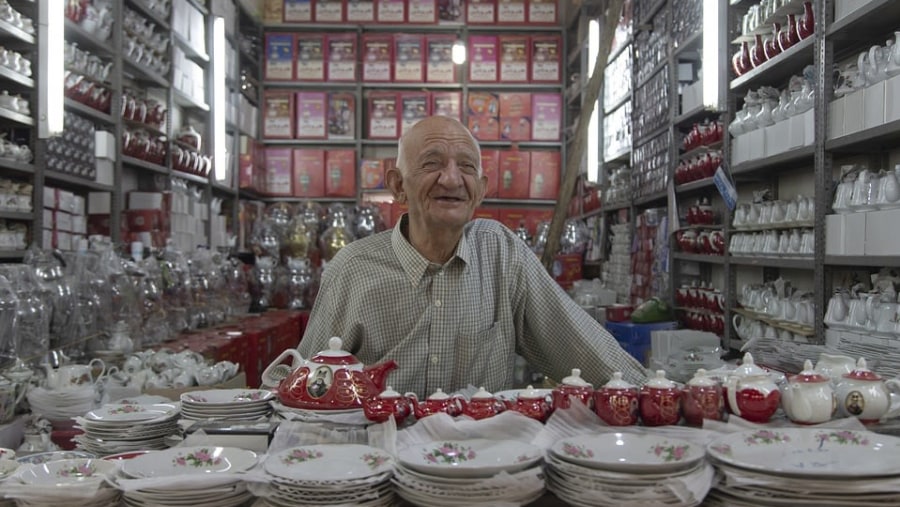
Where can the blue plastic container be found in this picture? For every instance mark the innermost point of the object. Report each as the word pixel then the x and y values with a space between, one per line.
pixel 635 338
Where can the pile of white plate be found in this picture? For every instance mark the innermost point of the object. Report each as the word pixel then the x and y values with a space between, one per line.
pixel 116 428
pixel 80 482
pixel 621 469
pixel 188 476
pixel 230 404
pixel 328 474
pixel 62 404
pixel 449 473
pixel 806 466
pixel 338 419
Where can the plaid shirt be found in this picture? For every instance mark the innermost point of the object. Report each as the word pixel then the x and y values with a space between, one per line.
pixel 461 323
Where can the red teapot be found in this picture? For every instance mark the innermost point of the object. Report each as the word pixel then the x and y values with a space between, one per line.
pixel 389 403
pixel 660 401
pixel 331 380
pixel 573 385
pixel 751 393
pixel 617 402
pixel 482 405
pixel 439 401
pixel 532 403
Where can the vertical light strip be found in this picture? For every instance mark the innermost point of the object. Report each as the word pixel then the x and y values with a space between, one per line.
pixel 594 141
pixel 219 157
pixel 710 56
pixel 51 69
pixel 458 52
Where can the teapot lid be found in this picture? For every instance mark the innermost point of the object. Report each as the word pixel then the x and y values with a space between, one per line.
pixel 862 372
pixel 529 393
pixel 748 368
pixel 575 379
pixel 389 393
pixel 616 382
pixel 809 375
pixel 334 354
pixel 659 381
pixel 482 394
pixel 701 379
pixel 439 394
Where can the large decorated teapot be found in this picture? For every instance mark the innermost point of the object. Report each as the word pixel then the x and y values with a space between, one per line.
pixel 333 379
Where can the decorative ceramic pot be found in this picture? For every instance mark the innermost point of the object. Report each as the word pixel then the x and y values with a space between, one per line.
pixel 751 393
pixel 702 399
pixel 439 401
pixel 531 403
pixel 808 397
pixel 483 404
pixel 573 385
pixel 388 404
pixel 660 401
pixel 617 402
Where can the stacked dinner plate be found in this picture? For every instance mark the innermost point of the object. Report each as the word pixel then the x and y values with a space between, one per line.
pixel 61 404
pixel 79 482
pixel 806 466
pixel 116 428
pixel 328 474
pixel 231 404
pixel 449 473
pixel 188 476
pixel 621 469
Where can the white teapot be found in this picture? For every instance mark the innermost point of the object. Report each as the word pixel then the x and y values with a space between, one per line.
pixel 808 397
pixel 863 394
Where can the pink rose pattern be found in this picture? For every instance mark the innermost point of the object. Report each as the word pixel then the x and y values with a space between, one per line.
pixel 128 409
pixel 766 437
pixel 251 396
pixel 374 460
pixel 300 456
pixel 198 459
pixel 449 454
pixel 83 470
pixel 670 453
pixel 722 449
pixel 844 437
pixel 577 451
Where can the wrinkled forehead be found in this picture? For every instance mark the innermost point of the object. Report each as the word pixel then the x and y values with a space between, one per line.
pixel 438 133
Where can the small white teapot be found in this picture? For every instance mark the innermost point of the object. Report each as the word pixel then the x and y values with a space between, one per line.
pixel 863 394
pixel 808 397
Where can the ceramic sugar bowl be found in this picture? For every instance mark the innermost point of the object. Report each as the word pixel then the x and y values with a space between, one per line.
pixel 389 403
pixel 483 404
pixel 751 393
pixel 808 397
pixel 863 394
pixel 616 403
pixel 702 399
pixel 437 402
pixel 532 403
pixel 660 401
pixel 573 385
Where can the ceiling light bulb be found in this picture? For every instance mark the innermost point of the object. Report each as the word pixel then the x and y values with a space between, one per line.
pixel 459 52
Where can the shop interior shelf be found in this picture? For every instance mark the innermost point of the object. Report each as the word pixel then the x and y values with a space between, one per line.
pixel 776 71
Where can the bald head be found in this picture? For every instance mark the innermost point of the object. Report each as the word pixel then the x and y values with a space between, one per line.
pixel 415 139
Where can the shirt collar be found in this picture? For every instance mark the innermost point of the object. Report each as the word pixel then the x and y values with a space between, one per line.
pixel 413 263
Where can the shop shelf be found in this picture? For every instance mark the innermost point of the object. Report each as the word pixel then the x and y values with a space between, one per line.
pixel 88 111
pixel 875 18
pixel 142 164
pixel 779 324
pixel 15 165
pixel 775 162
pixel 75 181
pixel 16 77
pixel 86 40
pixel 694 185
pixel 774 262
pixel 651 199
pixel 776 71
pixel 707 259
pixel 147 12
pixel 882 137
pixel 688 118
pixel 16 215
pixel 16 117
pixel 874 261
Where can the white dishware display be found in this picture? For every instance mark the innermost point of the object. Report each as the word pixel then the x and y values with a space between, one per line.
pixel 628 452
pixel 329 462
pixel 124 427
pixel 234 404
pixel 178 461
pixel 470 458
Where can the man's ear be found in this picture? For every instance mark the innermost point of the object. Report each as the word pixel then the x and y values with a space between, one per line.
pixel 482 189
pixel 394 181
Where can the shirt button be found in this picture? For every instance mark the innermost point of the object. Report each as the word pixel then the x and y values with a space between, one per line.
pixel 437 303
pixel 434 360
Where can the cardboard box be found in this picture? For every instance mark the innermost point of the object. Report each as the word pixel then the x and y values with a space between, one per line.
pixel 515 167
pixel 834 234
pixel 482 58
pixel 414 106
pixel 874 105
pixel 514 57
pixel 777 136
pixel 279 172
pixel 447 104
pixel 756 144
pixel 278 115
pixel 312 113
pixel 341 115
pixel 809 127
pixel 481 12
pixel 543 12
pixel 361 11
pixel 546 113
pixel 377 57
pixel 310 50
pixel 511 12
pixel 340 173
pixel 329 11
pixel 341 60
pixel 854 111
pixel 298 11
pixel 842 8
pixel 409 63
pixel 546 59
pixel 881 236
pixel 836 118
pixel 372 173
pixel 796 132
pixel 515 116
pixel 309 172
pixel 490 166
pixel 482 112
pixel 246 161
pixel 390 11
pixel 545 170
pixel 439 66
pixel 566 270
pixel 422 12
pixel 273 11
pixel 383 115
pixel 237 382
pixel 279 64
pixel 892 99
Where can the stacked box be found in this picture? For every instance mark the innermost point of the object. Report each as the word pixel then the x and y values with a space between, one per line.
pixel 361 11
pixel 341 115
pixel 483 109
pixel 546 111
pixel 439 67
pixel 390 11
pixel 481 12
pixel 377 57
pixel 545 170
pixel 312 112
pixel 341 60
pixel 414 106
pixel 409 60
pixel 340 173
pixel 310 51
pixel 278 172
pixel 278 115
pixel 515 116
pixel 447 104
pixel 383 115
pixel 511 12
pixel 515 167
pixel 546 59
pixel 422 12
pixel 298 11
pixel 279 64
pixel 309 172
pixel 329 11
pixel 513 56
pixel 483 59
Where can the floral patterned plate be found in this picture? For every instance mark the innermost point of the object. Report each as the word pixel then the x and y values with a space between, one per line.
pixel 470 458
pixel 329 462
pixel 43 457
pixel 227 397
pixel 204 459
pixel 131 412
pixel 628 452
pixel 66 472
pixel 810 452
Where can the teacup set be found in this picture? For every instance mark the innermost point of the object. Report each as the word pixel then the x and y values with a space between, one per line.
pixel 862 190
pixel 166 369
pixel 143 44
pixel 795 242
pixel 874 313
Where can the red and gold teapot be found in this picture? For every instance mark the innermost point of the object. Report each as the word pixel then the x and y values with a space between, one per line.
pixel 333 379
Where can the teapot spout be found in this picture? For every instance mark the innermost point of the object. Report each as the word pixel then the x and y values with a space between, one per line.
pixel 377 373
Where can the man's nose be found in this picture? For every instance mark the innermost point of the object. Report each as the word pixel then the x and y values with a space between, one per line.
pixel 450 174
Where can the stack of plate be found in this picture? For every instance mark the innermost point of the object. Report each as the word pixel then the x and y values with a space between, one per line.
pixel 617 469
pixel 339 419
pixel 80 482
pixel 451 473
pixel 7 467
pixel 61 404
pixel 115 428
pixel 231 404
pixel 192 476
pixel 329 474
pixel 806 466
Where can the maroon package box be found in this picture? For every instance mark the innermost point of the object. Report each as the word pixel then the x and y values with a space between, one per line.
pixel 543 12
pixel 340 173
pixel 298 11
pixel 546 63
pixel 309 172
pixel 490 167
pixel 341 115
pixel 377 57
pixel 514 57
pixel 447 104
pixel 422 12
pixel 390 11
pixel 279 64
pixel 439 66
pixel 544 175
pixel 278 115
pixel 481 12
pixel 329 11
pixel 409 61
pixel 515 166
pixel 511 12
pixel 341 57
pixel 414 106
pixel 279 171
pixel 546 112
pixel 361 11
pixel 312 112
pixel 483 58
pixel 383 115
pixel 310 50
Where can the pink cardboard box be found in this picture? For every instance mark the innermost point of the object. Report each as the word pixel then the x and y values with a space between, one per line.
pixel 544 175
pixel 372 173
pixel 311 115
pixel 447 104
pixel 278 171
pixel 414 106
pixel 341 115
pixel 279 63
pixel 514 57
pixel 483 115
pixel 483 58
pixel 546 113
pixel 341 61
pixel 298 11
pixel 409 63
pixel 439 66
pixel 481 12
pixel 390 11
pixel 543 12
pixel 329 11
pixel 422 12
pixel 310 64
pixel 515 116
pixel 361 11
pixel 309 172
pixel 546 62
pixel 377 57
pixel 383 115
pixel 511 12
pixel 278 115
pixel 340 173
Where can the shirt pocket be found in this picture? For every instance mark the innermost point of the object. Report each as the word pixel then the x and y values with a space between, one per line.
pixel 484 357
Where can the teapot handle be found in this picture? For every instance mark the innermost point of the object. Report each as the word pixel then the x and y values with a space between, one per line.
pixel 267 377
pixel 102 366
pixel 893 385
pixel 731 384
pixel 460 402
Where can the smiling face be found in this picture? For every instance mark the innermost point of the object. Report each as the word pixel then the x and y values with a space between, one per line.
pixel 438 175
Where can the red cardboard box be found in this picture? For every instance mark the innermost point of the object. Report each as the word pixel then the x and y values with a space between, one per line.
pixel 514 57
pixel 481 12
pixel 329 11
pixel 279 63
pixel 340 173
pixel 447 104
pixel 490 213
pixel 383 115
pixel 312 115
pixel 484 128
pixel 390 11
pixel 482 112
pixel 298 11
pixel 543 12
pixel 309 172
pixel 483 59
pixel 546 59
pixel 377 57
pixel 566 269
pixel 278 115
pixel 490 167
pixel 146 220
pixel 409 63
pixel 361 11
pixel 515 116
pixel 451 12
pixel 512 217
pixel 414 106
pixel 544 175
pixel 546 113
pixel 341 60
pixel 422 12
pixel 279 172
pixel 341 115
pixel 372 173
pixel 310 64
pixel 515 167
pixel 511 12
pixel 439 66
